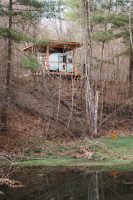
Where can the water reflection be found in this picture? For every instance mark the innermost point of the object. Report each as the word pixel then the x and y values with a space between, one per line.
pixel 66 184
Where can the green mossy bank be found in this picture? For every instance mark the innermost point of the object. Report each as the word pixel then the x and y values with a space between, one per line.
pixel 101 153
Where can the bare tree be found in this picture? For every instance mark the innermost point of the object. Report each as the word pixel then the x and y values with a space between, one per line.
pixel 8 66
pixel 131 43
pixel 91 96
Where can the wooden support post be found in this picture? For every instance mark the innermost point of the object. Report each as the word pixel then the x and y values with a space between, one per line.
pixel 47 58
pixel 73 59
pixel 66 67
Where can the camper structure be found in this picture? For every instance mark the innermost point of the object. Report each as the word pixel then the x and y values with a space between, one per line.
pixel 58 57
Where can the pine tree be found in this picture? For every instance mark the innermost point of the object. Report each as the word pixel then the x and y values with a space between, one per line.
pixel 15 11
pixel 115 21
pixel 118 15
pixel 108 21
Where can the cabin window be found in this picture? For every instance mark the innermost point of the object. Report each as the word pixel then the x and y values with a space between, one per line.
pixel 64 59
pixel 64 67
pixel 69 60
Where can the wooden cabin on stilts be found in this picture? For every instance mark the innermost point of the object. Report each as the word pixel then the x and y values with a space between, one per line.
pixel 56 57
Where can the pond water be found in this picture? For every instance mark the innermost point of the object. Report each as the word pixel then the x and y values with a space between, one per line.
pixel 43 183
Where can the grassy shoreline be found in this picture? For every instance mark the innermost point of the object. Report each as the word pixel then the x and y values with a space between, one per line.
pixel 97 153
pixel 114 165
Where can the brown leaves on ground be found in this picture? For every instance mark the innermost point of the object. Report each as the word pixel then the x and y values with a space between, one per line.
pixel 10 183
pixel 84 152
pixel 81 152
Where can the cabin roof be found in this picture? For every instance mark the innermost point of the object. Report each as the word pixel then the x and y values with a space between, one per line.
pixel 54 46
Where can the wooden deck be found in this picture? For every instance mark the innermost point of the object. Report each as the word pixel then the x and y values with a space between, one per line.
pixel 62 74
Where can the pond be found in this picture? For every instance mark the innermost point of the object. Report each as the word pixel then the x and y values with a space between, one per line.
pixel 60 183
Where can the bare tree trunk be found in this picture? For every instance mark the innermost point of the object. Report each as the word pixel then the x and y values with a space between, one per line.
pixel 131 66
pixel 102 57
pixel 102 80
pixel 130 75
pixel 91 99
pixel 73 92
pixel 58 108
pixel 96 113
pixel 131 48
pixel 60 20
pixel 4 113
pixel 130 24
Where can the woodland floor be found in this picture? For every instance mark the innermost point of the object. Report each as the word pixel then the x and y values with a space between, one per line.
pixel 42 125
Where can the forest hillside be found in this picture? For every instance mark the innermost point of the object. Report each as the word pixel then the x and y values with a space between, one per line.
pixel 38 103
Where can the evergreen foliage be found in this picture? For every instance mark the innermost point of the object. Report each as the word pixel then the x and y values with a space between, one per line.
pixel 103 36
pixel 109 21
pixel 72 12
pixel 30 62
pixel 21 15
pixel 15 13
pixel 53 8
pixel 15 35
pixel 33 3
pixel 113 22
